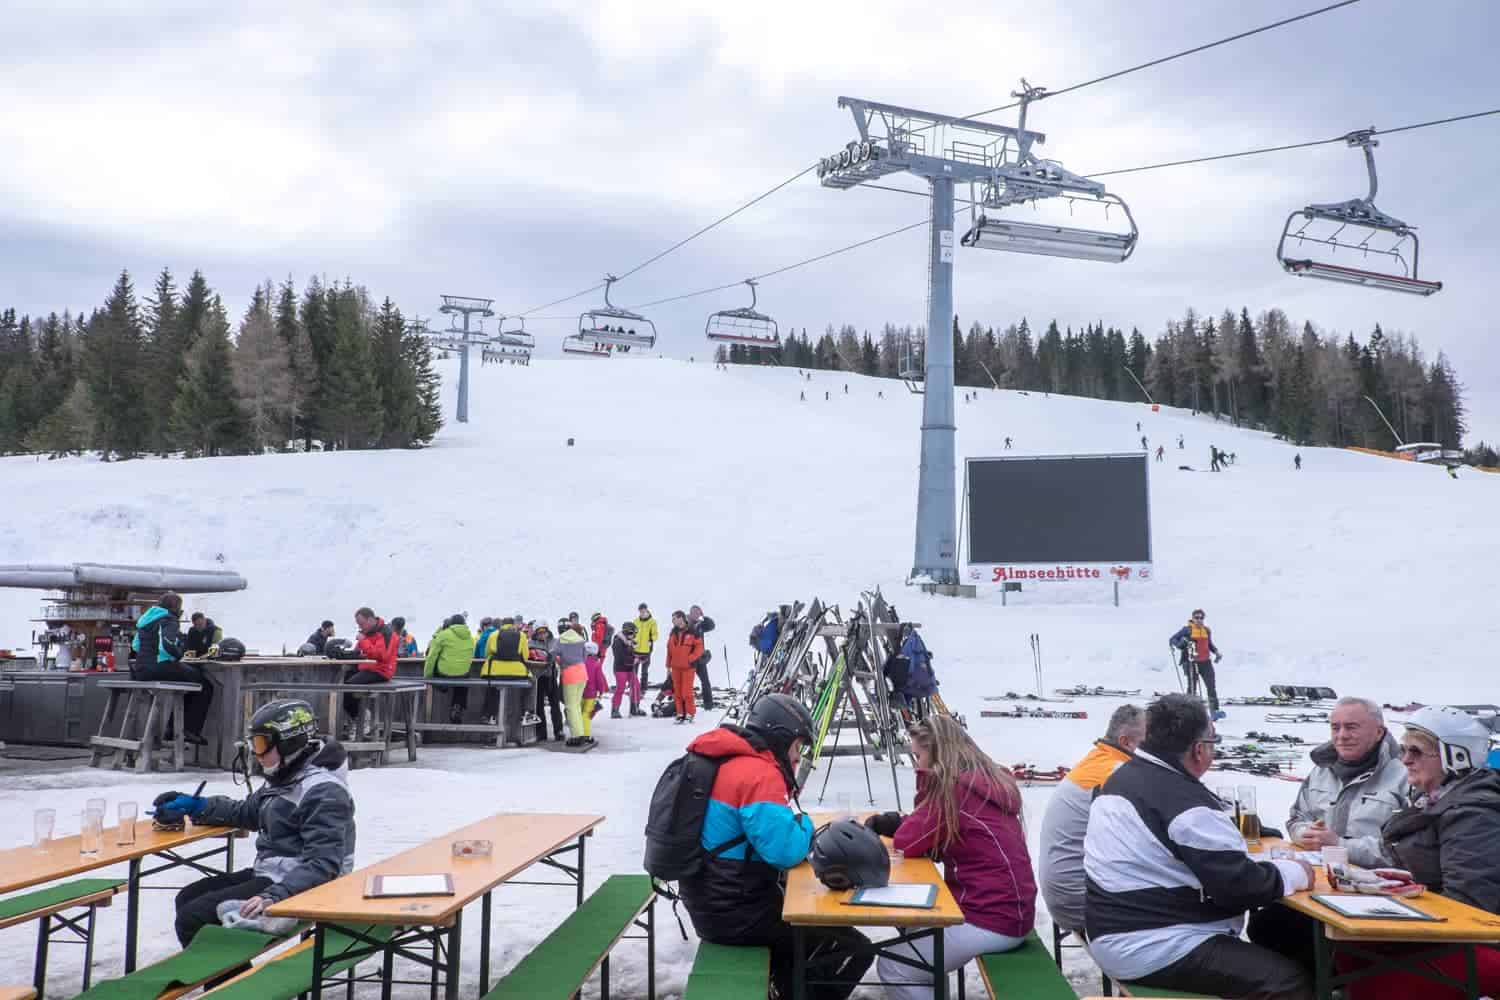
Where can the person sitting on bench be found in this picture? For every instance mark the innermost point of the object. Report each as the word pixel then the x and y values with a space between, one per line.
pixel 303 817
pixel 159 648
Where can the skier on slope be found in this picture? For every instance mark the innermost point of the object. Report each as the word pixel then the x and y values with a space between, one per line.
pixel 1194 643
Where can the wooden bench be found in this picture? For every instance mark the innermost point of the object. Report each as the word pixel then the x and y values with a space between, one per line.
pixel 558 967
pixel 289 974
pixel 1027 973
pixel 1137 990
pixel 162 702
pixel 47 905
pixel 509 687
pixel 214 952
pixel 383 713
pixel 729 972
pixel 17 993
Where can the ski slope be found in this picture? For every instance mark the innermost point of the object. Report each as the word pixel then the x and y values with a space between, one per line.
pixel 689 484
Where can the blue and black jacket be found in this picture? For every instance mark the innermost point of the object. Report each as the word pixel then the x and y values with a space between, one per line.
pixel 157 640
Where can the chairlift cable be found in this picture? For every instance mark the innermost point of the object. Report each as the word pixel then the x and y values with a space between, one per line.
pixel 566 298
pixel 1295 145
pixel 1166 59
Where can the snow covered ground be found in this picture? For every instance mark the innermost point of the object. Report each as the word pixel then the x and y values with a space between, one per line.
pixel 688 484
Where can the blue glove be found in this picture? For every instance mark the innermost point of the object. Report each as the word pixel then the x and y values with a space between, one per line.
pixel 178 806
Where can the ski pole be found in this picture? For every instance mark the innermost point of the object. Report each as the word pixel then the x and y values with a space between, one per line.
pixel 1176 668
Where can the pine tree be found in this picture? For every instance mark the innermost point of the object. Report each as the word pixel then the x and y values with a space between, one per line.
pixel 304 367
pixel 400 402
pixel 263 376
pixel 113 370
pixel 19 395
pixel 348 408
pixel 416 356
pixel 65 430
pixel 206 416
pixel 166 354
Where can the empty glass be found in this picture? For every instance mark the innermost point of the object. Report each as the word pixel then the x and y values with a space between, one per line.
pixel 1249 815
pixel 92 840
pixel 98 804
pixel 42 822
pixel 125 832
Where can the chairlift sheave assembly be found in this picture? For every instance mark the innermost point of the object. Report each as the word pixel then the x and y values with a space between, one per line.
pixel 615 327
pixel 1031 179
pixel 1364 224
pixel 743 326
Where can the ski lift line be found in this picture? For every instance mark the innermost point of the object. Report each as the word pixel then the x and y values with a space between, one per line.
pixel 1294 145
pixel 1164 59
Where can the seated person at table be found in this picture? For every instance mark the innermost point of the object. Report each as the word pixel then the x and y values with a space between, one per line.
pixel 1446 838
pixel 1357 782
pixel 303 817
pixel 318 640
pixel 736 897
pixel 1060 871
pixel 203 636
pixel 968 815
pixel 159 650
pixel 448 656
pixel 378 642
pixel 1168 876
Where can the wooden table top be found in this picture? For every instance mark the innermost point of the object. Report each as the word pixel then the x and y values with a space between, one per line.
pixel 519 840
pixel 1459 923
pixel 279 661
pixel 23 867
pixel 811 903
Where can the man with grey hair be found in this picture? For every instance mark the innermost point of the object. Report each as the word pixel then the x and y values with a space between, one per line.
pixel 1357 783
pixel 1067 818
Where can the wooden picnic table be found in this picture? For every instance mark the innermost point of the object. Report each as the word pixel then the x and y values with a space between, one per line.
pixel 24 867
pixel 1458 929
pixel 518 841
pixel 809 903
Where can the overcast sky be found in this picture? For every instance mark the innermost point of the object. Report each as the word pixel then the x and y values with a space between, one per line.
pixel 521 150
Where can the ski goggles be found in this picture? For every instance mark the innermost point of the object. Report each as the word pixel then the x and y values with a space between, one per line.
pixel 261 744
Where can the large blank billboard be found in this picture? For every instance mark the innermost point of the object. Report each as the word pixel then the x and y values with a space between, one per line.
pixel 1059 509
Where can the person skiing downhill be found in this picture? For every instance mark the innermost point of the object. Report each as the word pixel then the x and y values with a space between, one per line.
pixel 1195 645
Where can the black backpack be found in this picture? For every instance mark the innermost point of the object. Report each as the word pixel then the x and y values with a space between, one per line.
pixel 674 824
pixel 507 645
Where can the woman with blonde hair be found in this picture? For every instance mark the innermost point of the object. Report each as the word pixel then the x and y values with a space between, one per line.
pixel 968 816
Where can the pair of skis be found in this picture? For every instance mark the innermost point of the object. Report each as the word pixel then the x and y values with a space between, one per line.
pixel 1297 692
pixel 1030 774
pixel 1082 691
pixel 1297 718
pixel 1016 696
pixel 1025 712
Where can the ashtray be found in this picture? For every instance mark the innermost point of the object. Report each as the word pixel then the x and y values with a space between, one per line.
pixel 472 848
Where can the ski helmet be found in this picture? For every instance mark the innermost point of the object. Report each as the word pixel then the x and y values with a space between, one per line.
pixel 338 649
pixel 779 719
pixel 307 649
pixel 848 855
pixel 231 650
pixel 1463 741
pixel 289 727
pixel 628 628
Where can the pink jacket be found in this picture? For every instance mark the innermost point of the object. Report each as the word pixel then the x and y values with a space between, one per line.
pixel 596 686
pixel 988 868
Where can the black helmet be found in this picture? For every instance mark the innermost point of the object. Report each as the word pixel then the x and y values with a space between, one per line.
pixel 231 650
pixel 338 649
pixel 307 649
pixel 848 855
pixel 288 725
pixel 779 719
pixel 628 628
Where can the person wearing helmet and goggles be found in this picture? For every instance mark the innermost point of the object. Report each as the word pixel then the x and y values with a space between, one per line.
pixel 303 817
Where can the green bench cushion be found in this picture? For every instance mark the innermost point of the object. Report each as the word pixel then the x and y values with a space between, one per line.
pixel 285 978
pixel 1027 973
pixel 215 950
pixel 729 972
pixel 1138 990
pixel 55 895
pixel 560 963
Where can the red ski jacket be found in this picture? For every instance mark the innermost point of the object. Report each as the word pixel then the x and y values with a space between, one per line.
pixel 380 645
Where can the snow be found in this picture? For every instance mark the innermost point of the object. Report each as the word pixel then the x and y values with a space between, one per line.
pixel 687 484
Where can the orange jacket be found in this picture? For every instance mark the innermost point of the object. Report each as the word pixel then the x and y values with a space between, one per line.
pixel 683 649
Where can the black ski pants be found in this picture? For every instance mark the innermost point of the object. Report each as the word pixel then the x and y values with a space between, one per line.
pixel 1225 966
pixel 516 700
pixel 1286 932
pixel 547 691
pixel 194 706
pixel 1204 671
pixel 198 902
pixel 354 675
pixel 643 664
pixel 837 958
pixel 708 687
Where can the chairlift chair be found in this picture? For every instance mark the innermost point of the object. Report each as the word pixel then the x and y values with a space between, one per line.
pixel 579 346
pixel 1032 179
pixel 507 352
pixel 611 325
pixel 908 368
pixel 1366 223
pixel 743 326
pixel 515 337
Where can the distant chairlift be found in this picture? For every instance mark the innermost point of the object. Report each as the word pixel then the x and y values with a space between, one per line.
pixel 515 337
pixel 615 327
pixel 909 364
pixel 1031 179
pixel 744 326
pixel 1364 223
pixel 578 346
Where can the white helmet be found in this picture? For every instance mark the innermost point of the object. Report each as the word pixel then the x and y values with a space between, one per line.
pixel 1463 741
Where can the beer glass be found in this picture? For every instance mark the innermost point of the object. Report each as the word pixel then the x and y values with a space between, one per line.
pixel 1249 815
pixel 125 832
pixel 42 822
pixel 92 841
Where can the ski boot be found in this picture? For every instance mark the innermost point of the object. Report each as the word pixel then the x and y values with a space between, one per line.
pixel 635 708
pixel 614 713
pixel 531 719
pixel 455 715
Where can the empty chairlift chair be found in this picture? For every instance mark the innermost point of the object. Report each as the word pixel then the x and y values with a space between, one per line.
pixel 610 326
pixel 1362 230
pixel 1031 179
pixel 514 344
pixel 743 326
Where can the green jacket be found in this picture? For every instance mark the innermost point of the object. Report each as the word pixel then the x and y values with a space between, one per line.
pixel 450 652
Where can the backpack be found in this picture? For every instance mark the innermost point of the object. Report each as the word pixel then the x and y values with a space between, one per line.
pixel 756 633
pixel 507 645
pixel 674 823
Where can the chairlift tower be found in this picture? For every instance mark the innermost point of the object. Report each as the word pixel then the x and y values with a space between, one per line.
pixel 998 164
pixel 465 306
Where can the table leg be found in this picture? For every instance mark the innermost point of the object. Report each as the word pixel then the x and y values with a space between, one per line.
pixel 939 970
pixel 651 951
pixel 581 842
pixel 455 936
pixel 484 943
pixel 88 952
pixel 1471 971
pixel 39 974
pixel 229 853
pixel 317 977
pixel 604 979
pixel 1322 960
pixel 799 964
pixel 132 913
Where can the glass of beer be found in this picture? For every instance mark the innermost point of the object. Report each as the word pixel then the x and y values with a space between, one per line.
pixel 1249 815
